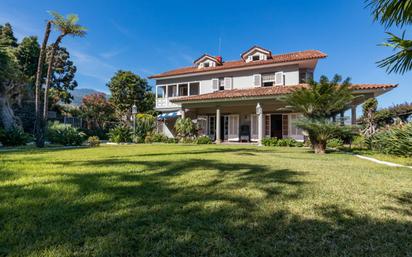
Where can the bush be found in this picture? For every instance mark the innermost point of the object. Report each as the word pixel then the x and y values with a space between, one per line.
pixel 120 134
pixel 289 142
pixel 137 140
pixel 270 141
pixel 145 124
pixel 334 143
pixel 187 140
pixel 100 133
pixel 359 141
pixel 93 141
pixel 159 138
pixel 172 140
pixel 64 134
pixel 396 140
pixel 203 140
pixel 13 137
pixel 185 128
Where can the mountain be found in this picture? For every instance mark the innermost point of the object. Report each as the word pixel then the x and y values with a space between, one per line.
pixel 79 93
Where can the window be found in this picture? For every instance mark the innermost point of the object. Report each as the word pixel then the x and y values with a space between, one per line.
pixel 206 64
pixel 268 79
pixel 161 91
pixel 255 58
pixel 194 88
pixel 172 91
pixel 221 84
pixel 305 75
pixel 183 90
pixel 294 131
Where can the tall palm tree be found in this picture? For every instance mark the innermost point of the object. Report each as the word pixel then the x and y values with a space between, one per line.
pixel 38 125
pixel 394 13
pixel 67 26
pixel 318 103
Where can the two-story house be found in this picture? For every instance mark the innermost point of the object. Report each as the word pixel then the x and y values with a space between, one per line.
pixel 240 100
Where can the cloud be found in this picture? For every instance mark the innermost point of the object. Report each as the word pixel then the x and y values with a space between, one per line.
pixel 112 53
pixel 123 30
pixel 92 66
pixel 22 25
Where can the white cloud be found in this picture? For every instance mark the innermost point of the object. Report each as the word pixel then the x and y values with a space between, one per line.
pixel 91 66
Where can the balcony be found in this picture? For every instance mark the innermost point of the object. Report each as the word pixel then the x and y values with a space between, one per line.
pixel 164 103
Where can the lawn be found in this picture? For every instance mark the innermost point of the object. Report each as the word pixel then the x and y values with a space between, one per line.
pixel 176 200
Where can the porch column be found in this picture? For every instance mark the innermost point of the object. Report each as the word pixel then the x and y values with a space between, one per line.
pixel 182 112
pixel 353 114
pixel 218 140
pixel 259 112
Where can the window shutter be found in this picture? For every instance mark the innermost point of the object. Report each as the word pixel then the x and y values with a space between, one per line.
pixel 228 83
pixel 279 78
pixel 257 80
pixel 285 125
pixel 215 84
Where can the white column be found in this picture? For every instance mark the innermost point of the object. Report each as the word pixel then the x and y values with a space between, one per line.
pixel 353 114
pixel 167 91
pixel 259 112
pixel 218 140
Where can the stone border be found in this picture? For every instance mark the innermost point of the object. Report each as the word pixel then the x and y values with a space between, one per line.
pixel 391 164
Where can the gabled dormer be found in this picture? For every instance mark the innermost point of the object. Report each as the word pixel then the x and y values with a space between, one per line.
pixel 206 61
pixel 256 53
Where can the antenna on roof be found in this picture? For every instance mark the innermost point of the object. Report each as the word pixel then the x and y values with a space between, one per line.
pixel 220 46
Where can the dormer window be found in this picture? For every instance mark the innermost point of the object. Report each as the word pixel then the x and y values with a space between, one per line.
pixel 255 58
pixel 206 61
pixel 256 53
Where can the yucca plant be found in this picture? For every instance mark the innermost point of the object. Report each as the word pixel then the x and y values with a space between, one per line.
pixel 396 140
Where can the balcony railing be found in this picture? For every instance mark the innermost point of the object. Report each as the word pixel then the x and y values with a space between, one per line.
pixel 165 103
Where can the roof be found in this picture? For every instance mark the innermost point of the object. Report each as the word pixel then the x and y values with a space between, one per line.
pixel 207 56
pixel 267 91
pixel 253 48
pixel 281 58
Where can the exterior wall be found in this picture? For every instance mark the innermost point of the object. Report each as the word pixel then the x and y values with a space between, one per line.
pixel 240 80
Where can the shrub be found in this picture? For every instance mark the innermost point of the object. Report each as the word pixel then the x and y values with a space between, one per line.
pixel 203 140
pixel 289 142
pixel 13 137
pixel 172 140
pixel 359 141
pixel 159 138
pixel 100 133
pixel 396 140
pixel 300 144
pixel 270 141
pixel 93 141
pixel 137 140
pixel 148 139
pixel 64 134
pixel 335 143
pixel 185 128
pixel 120 134
pixel 145 124
pixel 187 140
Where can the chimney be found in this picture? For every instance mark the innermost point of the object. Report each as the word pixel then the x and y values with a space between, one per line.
pixel 219 59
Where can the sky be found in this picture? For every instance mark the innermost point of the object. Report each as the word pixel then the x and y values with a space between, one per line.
pixel 149 37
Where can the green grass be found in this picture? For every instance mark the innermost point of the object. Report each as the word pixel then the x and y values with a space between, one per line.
pixel 176 200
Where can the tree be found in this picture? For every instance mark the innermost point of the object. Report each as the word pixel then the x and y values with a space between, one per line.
pixel 318 102
pixel 396 13
pixel 97 111
pixel 185 128
pixel 66 26
pixel 39 124
pixel 27 55
pixel 126 89
pixel 7 38
pixel 62 81
pixel 369 110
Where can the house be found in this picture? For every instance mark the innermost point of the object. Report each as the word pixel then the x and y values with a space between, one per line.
pixel 241 100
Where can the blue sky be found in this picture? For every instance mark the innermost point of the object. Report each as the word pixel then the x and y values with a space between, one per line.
pixel 149 37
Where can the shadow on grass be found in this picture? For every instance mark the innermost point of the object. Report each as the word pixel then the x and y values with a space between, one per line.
pixel 152 212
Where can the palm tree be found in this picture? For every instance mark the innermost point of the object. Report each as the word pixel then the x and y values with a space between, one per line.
pixel 318 103
pixel 66 26
pixel 394 13
pixel 38 125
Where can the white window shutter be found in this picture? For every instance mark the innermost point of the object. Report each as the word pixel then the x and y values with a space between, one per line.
pixel 215 84
pixel 257 80
pixel 279 78
pixel 228 83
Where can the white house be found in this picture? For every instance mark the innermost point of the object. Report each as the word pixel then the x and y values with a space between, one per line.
pixel 240 100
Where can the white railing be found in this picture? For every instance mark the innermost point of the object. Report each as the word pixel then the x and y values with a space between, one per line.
pixel 165 103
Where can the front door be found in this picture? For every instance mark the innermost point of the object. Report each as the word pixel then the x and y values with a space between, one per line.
pixel 233 127
pixel 276 125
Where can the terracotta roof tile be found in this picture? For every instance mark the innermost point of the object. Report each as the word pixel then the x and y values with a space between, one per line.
pixel 281 58
pixel 266 91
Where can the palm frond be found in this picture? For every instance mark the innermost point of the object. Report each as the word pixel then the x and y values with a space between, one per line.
pixel 391 12
pixel 401 61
